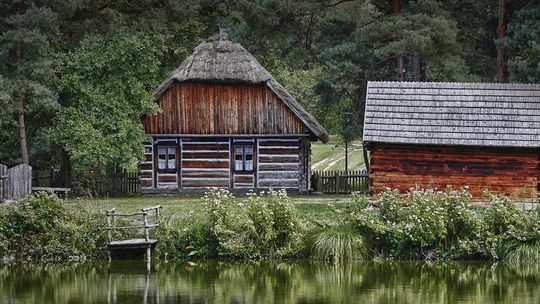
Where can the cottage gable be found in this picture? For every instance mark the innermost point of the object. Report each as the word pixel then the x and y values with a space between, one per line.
pixel 222 63
pixel 223 109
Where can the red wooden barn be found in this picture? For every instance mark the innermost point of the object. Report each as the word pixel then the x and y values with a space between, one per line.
pixel 226 122
pixel 431 135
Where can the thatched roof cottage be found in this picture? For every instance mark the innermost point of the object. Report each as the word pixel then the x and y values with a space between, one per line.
pixel 226 122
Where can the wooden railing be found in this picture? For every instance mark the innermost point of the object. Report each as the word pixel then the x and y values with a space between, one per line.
pixel 146 224
pixel 340 181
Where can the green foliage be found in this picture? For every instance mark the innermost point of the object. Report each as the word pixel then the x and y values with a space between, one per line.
pixel 179 240
pixel 108 82
pixel 524 41
pixel 41 228
pixel 338 244
pixel 522 253
pixel 436 224
pixel 260 226
pixel 27 73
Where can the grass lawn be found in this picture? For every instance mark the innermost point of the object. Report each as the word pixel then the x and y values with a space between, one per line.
pixel 331 156
pixel 312 209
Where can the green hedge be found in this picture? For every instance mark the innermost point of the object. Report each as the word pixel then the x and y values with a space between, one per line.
pixel 421 224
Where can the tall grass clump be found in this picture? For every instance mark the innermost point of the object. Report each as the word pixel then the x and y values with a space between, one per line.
pixel 338 244
pixel 517 252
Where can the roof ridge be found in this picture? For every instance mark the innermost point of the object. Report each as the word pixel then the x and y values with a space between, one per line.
pixel 452 82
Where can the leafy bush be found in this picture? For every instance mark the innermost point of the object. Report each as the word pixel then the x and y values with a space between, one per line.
pixel 183 239
pixel 41 228
pixel 259 226
pixel 438 224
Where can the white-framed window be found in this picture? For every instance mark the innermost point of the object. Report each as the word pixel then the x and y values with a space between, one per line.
pixel 243 157
pixel 166 158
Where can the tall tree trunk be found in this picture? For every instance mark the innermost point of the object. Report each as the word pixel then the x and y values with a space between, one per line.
pixel 20 101
pixel 65 170
pixel 416 67
pixel 400 61
pixel 501 50
pixel 22 131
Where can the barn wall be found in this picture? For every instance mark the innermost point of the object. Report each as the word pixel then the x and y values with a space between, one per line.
pixel 501 171
pixel 208 108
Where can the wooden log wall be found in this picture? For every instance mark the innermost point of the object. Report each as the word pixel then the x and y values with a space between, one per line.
pixel 209 162
pixel 205 163
pixel 498 170
pixel 278 163
pixel 209 108
pixel 146 167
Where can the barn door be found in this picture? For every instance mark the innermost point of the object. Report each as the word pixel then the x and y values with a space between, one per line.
pixel 167 164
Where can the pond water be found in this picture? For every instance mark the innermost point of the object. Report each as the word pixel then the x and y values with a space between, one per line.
pixel 269 282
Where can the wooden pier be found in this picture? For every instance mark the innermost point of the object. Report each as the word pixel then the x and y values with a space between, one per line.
pixel 136 247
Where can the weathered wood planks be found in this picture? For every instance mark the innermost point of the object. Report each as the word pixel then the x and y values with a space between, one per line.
pixel 205 162
pixel 15 182
pixel 510 171
pixel 209 108
pixel 209 162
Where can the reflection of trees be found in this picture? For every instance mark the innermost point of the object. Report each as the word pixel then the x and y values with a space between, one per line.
pixel 271 282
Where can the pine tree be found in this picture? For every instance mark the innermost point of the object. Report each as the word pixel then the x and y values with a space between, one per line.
pixel 26 67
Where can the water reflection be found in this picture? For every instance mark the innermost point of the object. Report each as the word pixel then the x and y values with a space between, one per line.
pixel 269 282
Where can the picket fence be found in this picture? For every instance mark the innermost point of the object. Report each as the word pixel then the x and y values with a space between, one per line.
pixel 336 182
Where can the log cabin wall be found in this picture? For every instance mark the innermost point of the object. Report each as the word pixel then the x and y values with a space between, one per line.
pixel 205 162
pixel 279 163
pixel 176 164
pixel 146 167
pixel 211 108
pixel 510 171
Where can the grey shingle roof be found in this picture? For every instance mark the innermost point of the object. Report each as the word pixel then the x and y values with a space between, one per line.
pixel 440 113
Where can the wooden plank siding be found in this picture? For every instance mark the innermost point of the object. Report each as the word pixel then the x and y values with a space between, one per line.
pixel 278 163
pixel 226 109
pixel 205 163
pixel 511 171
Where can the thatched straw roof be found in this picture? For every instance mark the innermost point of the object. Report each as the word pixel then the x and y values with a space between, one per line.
pixel 221 60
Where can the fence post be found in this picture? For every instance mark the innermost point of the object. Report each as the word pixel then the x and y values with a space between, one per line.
pixel 3 182
pixel 336 177
pixel 145 220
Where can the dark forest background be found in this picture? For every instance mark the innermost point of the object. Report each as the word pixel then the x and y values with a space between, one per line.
pixel 76 75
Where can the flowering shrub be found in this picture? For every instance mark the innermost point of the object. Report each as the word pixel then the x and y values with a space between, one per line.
pixel 438 224
pixel 258 226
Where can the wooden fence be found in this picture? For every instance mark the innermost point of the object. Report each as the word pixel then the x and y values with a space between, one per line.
pixel 15 183
pixel 115 184
pixel 340 181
